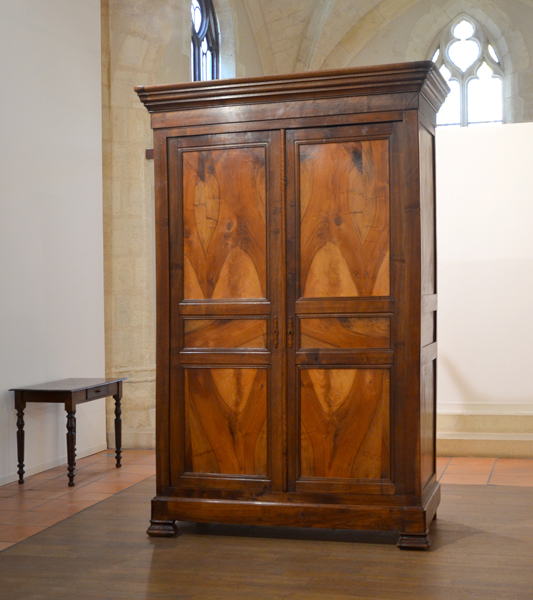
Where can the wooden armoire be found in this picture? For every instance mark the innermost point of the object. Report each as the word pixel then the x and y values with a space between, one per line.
pixel 296 300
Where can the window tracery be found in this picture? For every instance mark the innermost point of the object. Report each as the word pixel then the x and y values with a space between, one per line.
pixel 472 68
pixel 205 48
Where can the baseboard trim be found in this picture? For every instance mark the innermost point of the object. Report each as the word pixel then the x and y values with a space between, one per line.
pixel 500 436
pixel 484 447
pixel 139 439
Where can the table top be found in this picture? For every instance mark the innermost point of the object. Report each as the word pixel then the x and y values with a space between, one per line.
pixel 67 385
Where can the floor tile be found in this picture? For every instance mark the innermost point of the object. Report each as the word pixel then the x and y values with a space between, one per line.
pixel 16 533
pixel 51 491
pixel 21 503
pixel 91 459
pixel 463 469
pixel 51 474
pixel 125 476
pixel 71 506
pixel 465 479
pixel 38 519
pixel 107 487
pixel 7 493
pixel 6 515
pixel 523 462
pixel 86 493
pixel 514 467
pixel 4 545
pixel 514 480
pixel 466 460
pixel 140 469
pixel 38 493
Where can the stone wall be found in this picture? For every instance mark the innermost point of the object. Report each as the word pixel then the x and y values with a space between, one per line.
pixel 144 42
pixel 148 42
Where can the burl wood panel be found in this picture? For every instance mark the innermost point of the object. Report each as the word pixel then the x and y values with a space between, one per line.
pixel 225 333
pixel 224 223
pixel 226 421
pixel 345 429
pixel 344 219
pixel 345 332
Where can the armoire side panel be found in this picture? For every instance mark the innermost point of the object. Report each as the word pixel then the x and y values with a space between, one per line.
pixel 427 421
pixel 427 212
pixel 428 334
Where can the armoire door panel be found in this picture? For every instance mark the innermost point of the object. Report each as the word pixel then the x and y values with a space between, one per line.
pixel 225 333
pixel 345 332
pixel 225 257
pixel 224 223
pixel 339 240
pixel 226 421
pixel 344 218
pixel 345 424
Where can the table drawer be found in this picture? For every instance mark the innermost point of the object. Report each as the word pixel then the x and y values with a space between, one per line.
pixel 102 391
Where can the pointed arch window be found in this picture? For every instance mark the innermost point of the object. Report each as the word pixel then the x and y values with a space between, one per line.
pixel 205 48
pixel 472 68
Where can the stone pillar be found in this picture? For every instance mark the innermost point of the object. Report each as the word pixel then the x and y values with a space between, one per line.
pixel 143 42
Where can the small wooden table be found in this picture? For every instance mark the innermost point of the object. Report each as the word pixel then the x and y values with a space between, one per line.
pixel 69 392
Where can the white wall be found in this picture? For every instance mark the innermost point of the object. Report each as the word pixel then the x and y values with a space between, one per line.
pixel 51 257
pixel 485 268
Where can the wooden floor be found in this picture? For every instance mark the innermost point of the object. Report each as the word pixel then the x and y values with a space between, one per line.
pixel 482 549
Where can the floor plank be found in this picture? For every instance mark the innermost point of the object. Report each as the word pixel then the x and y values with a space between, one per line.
pixel 482 548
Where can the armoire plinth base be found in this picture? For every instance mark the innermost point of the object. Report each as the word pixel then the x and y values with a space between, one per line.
pixel 414 542
pixel 412 524
pixel 162 529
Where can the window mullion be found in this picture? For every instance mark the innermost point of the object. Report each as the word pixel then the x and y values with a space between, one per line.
pixel 464 102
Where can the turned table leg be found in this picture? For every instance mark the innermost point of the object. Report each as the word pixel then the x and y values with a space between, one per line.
pixel 71 444
pixel 118 428
pixel 20 439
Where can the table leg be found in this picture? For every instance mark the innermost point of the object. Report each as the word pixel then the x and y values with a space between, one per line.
pixel 71 445
pixel 20 441
pixel 118 430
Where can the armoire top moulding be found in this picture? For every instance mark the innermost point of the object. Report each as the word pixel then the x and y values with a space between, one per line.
pixel 420 77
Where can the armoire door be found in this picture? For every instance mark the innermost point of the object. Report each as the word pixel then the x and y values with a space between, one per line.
pixel 226 299
pixel 339 309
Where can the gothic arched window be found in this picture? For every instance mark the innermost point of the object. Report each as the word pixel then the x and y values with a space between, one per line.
pixel 205 51
pixel 470 65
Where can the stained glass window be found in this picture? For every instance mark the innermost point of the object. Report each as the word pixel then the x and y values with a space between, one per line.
pixel 205 52
pixel 473 71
